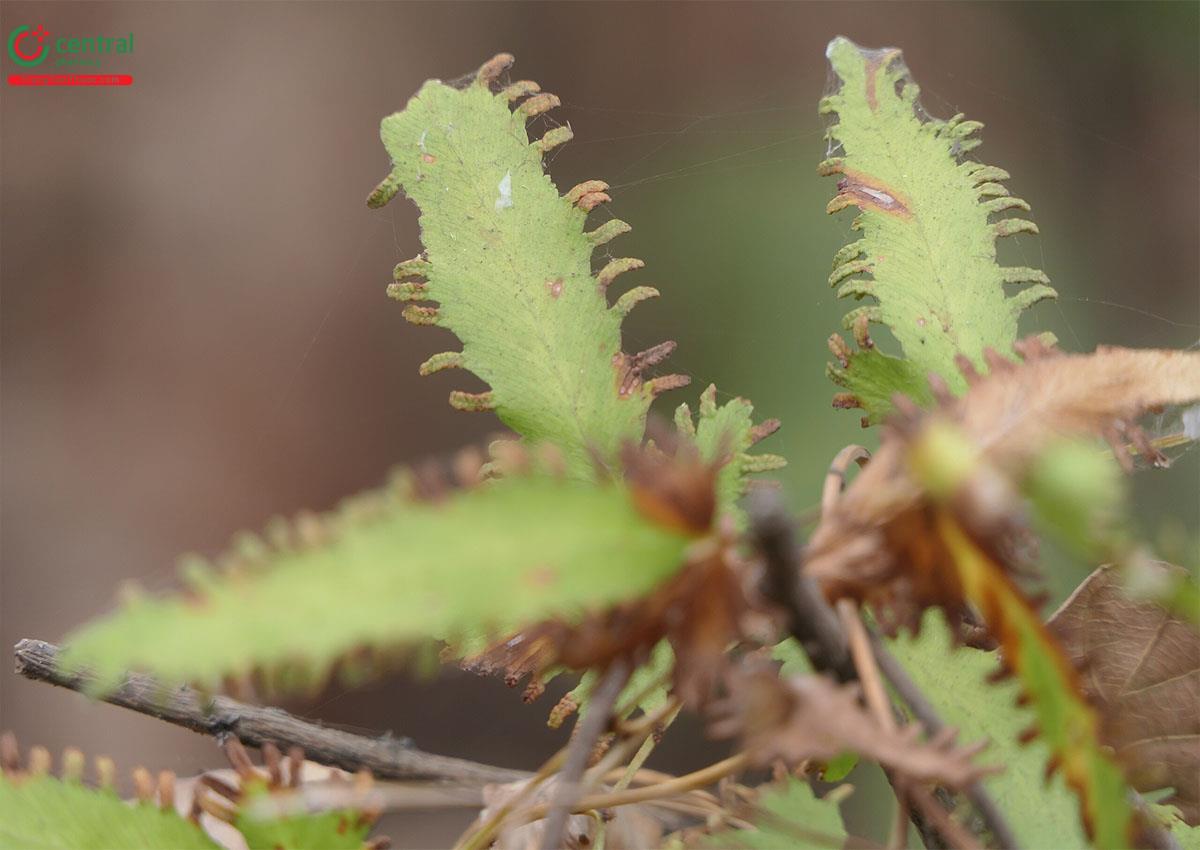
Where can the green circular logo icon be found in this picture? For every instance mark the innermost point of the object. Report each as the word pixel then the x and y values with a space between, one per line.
pixel 26 45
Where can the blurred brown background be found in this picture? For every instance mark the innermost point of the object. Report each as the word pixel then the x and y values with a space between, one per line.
pixel 194 329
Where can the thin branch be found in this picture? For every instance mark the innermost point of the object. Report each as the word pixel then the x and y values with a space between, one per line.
pixel 386 757
pixel 814 624
pixel 810 619
pixel 587 732
pixel 881 707
pixel 649 793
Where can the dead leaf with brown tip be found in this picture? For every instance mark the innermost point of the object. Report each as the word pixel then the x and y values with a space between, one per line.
pixel 1141 666
pixel 812 717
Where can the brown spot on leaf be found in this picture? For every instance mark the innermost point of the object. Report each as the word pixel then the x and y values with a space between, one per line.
pixel 872 74
pixel 860 190
pixel 428 158
pixel 540 577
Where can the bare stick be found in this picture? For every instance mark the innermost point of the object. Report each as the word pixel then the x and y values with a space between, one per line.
pixel 386 757
pixel 881 707
pixel 587 732
pixel 649 793
pixel 810 619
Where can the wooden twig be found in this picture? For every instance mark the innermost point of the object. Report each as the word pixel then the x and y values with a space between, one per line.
pixel 587 731
pixel 810 619
pixel 386 757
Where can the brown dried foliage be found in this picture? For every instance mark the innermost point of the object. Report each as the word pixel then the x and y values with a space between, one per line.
pixel 700 610
pixel 880 544
pixel 811 717
pixel 1141 668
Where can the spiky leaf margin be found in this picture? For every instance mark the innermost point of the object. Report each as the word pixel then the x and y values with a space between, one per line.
pixel 509 264
pixel 387 573
pixel 45 813
pixel 927 253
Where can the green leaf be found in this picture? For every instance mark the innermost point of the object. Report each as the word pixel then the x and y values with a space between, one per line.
pixel 1077 495
pixel 385 573
pixel 44 813
pixel 332 830
pixel 728 432
pixel 791 816
pixel 509 264
pixel 929 219
pixel 956 682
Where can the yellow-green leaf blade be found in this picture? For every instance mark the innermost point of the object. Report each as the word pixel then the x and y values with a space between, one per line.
pixel 387 574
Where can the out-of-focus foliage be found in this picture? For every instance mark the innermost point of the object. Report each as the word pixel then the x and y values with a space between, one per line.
pixel 788 815
pixel 956 682
pixel 1142 669
pixel 45 813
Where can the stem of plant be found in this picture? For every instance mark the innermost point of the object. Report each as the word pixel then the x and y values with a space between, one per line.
pixel 649 793
pixel 477 838
pixel 587 732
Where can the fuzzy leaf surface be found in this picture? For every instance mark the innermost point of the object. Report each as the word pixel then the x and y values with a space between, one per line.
pixel 724 434
pixel 927 254
pixel 509 265
pixel 386 573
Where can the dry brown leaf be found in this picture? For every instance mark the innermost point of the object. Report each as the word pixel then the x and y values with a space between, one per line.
pixel 878 546
pixel 700 611
pixel 811 717
pixel 1141 667
pixel 1019 408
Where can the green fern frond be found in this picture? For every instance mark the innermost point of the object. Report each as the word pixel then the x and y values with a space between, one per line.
pixel 384 573
pixel 727 433
pixel 929 220
pixel 509 265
